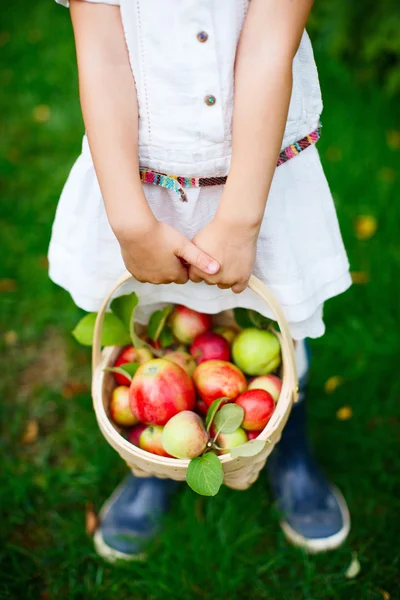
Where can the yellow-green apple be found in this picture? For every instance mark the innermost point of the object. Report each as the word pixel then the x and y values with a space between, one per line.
pixel 218 378
pixel 183 359
pixel 135 432
pixel 150 440
pixel 186 323
pixel 128 355
pixel 258 406
pixel 229 333
pixel 256 352
pixel 159 390
pixel 120 408
pixel 269 383
pixel 184 435
pixel 226 441
pixel 209 345
pixel 252 435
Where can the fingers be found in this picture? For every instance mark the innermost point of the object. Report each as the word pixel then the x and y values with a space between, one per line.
pixel 239 287
pixel 197 258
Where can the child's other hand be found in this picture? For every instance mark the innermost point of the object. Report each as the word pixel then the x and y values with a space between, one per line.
pixel 157 253
pixel 233 244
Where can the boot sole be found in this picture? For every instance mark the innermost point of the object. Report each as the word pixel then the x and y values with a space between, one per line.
pixel 316 545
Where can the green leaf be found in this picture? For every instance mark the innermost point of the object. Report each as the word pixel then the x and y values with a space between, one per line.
pixel 242 318
pixel 166 337
pixel 212 411
pixel 127 369
pixel 259 321
pixel 157 322
pixel 248 449
pixel 113 334
pixel 229 418
pixel 205 474
pixel 123 307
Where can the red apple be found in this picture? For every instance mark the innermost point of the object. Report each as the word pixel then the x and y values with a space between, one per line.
pixel 229 333
pixel 269 383
pixel 135 432
pixel 226 441
pixel 209 345
pixel 218 378
pixel 120 410
pixel 184 435
pixel 186 323
pixel 201 407
pixel 252 435
pixel 159 390
pixel 258 406
pixel 150 440
pixel 183 359
pixel 130 354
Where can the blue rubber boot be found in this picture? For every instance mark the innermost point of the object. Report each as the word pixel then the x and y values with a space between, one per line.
pixel 131 517
pixel 314 513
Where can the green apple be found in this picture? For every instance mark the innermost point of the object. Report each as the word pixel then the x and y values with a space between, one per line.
pixel 256 352
pixel 184 436
pixel 226 441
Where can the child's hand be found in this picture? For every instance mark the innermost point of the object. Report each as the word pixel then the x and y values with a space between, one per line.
pixel 233 244
pixel 157 253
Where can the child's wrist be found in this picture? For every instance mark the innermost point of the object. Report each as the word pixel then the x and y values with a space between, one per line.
pixel 129 227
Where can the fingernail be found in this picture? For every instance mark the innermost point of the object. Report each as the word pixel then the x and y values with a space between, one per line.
pixel 212 267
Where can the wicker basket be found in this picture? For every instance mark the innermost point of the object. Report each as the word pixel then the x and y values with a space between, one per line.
pixel 239 473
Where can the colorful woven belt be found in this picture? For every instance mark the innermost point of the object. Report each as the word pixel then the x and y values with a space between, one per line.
pixel 177 184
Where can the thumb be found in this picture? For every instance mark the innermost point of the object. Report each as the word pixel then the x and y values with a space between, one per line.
pixel 191 254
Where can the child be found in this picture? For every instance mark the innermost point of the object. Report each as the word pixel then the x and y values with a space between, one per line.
pixel 196 112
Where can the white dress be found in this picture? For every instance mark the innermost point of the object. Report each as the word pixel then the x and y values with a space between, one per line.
pixel 300 253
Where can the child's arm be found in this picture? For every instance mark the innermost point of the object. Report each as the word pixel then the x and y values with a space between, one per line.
pixel 151 250
pixel 263 85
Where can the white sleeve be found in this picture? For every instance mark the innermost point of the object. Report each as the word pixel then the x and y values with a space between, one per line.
pixel 113 2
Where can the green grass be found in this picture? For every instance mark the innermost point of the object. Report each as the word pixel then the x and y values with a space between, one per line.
pixel 229 546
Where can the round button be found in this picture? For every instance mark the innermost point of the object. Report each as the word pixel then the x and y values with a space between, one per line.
pixel 202 36
pixel 210 100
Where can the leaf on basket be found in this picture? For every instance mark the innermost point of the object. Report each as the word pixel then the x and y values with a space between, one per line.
pixel 157 322
pixel 242 317
pixel 213 410
pixel 248 449
pixel 124 308
pixel 127 369
pixel 205 474
pixel 259 321
pixel 113 333
pixel 354 567
pixel 229 418
pixel 166 337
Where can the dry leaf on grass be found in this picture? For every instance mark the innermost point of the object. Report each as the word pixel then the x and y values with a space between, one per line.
pixel 332 383
pixel 360 277
pixel 365 227
pixel 10 338
pixel 41 113
pixel 73 388
pixel 354 567
pixel 387 174
pixel 385 594
pixel 393 139
pixel 7 285
pixel 345 413
pixel 333 154
pixel 31 433
pixel 91 519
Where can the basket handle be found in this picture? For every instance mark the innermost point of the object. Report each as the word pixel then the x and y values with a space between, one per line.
pixel 254 284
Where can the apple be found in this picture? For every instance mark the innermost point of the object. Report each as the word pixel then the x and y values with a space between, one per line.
pixel 229 333
pixel 120 409
pixel 183 359
pixel 201 407
pixel 226 441
pixel 258 406
pixel 150 440
pixel 209 345
pixel 184 436
pixel 256 352
pixel 269 383
pixel 218 378
pixel 186 323
pixel 252 435
pixel 128 355
pixel 159 390
pixel 135 432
